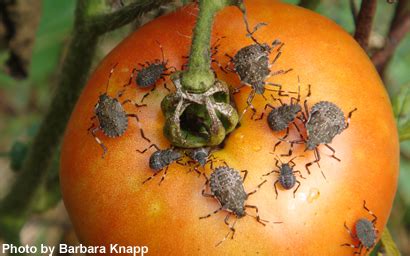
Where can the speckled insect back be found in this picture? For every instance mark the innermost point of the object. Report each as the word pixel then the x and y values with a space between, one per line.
pixel 366 232
pixel 286 178
pixel 251 63
pixel 282 117
pixel 226 185
pixel 227 188
pixel 111 116
pixel 161 159
pixel 326 120
pixel 323 123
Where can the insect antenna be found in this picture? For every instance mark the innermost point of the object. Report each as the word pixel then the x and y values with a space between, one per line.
pixel 162 51
pixel 109 76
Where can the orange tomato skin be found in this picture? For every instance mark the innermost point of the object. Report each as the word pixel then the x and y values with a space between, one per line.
pixel 108 203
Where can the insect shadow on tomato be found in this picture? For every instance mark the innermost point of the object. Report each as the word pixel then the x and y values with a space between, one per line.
pixel 251 64
pixel 366 232
pixel 226 185
pixel 286 178
pixel 111 116
pixel 150 73
pixel 280 118
pixel 322 124
pixel 161 159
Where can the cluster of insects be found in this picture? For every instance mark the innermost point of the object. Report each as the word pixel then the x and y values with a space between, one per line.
pixel 315 126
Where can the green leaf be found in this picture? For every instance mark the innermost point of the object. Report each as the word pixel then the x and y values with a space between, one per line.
pixel 389 246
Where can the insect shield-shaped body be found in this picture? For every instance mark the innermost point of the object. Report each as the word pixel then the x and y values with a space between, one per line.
pixel 366 232
pixel 226 187
pixel 111 116
pixel 160 160
pixel 325 121
pixel 280 118
pixel 286 178
pixel 150 73
pixel 251 63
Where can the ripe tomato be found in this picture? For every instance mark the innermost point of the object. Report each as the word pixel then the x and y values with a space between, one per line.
pixel 108 203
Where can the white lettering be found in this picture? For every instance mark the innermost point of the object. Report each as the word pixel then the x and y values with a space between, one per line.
pixel 18 249
pixel 118 249
pixel 47 249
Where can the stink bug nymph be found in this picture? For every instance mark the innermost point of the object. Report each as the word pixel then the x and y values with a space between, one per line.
pixel 150 73
pixel 286 178
pixel 226 186
pixel 366 232
pixel 111 116
pixel 280 118
pixel 251 63
pixel 161 159
pixel 322 124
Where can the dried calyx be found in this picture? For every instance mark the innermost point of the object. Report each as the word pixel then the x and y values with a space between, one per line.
pixel 199 113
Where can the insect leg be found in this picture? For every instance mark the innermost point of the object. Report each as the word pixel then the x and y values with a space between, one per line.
pixel 163 175
pixel 257 217
pixel 370 212
pixel 276 189
pixel 333 152
pixel 300 174
pixel 204 188
pixel 244 176
pixel 166 87
pixel 350 245
pixel 349 231
pixel 131 77
pixel 257 188
pixel 231 227
pixel 145 150
pixel 139 125
pixel 264 109
pixel 269 173
pixel 249 105
pixel 296 189
pixel 209 215
pixel 135 104
pixel 152 176
pixel 291 144
pixel 148 93
pixel 348 117
pixel 99 141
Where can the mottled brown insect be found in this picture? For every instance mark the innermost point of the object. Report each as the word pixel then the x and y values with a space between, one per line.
pixel 161 159
pixel 322 124
pixel 150 72
pixel 251 63
pixel 111 116
pixel 226 187
pixel 286 178
pixel 366 232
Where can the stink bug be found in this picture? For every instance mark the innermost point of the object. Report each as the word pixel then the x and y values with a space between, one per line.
pixel 161 159
pixel 112 118
pixel 251 63
pixel 150 73
pixel 366 232
pixel 287 178
pixel 280 118
pixel 322 124
pixel 226 186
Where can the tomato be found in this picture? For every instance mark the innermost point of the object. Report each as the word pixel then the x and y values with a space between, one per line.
pixel 108 203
